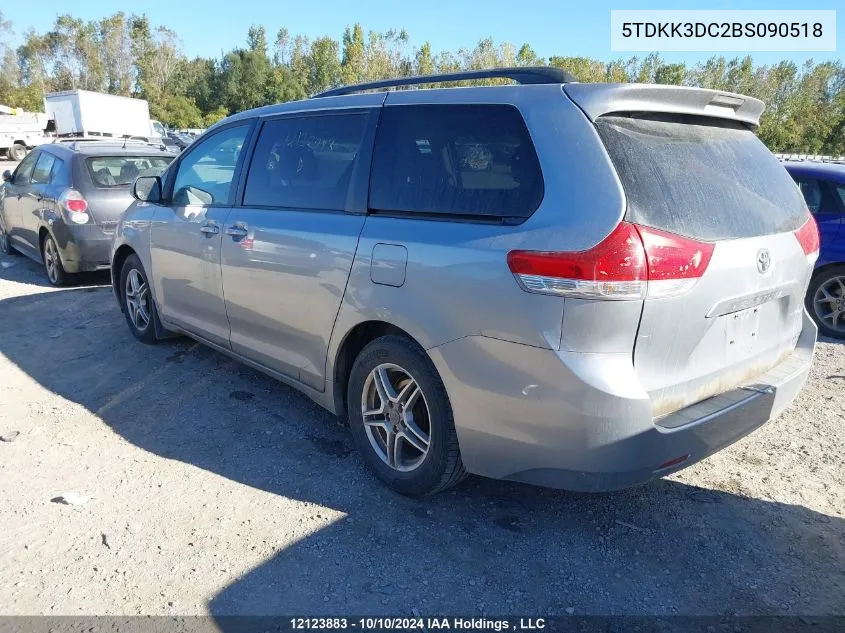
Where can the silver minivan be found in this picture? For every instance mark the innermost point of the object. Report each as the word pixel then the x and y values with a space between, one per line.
pixel 583 286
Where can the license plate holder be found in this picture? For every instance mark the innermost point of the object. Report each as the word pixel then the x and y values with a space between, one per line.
pixel 742 331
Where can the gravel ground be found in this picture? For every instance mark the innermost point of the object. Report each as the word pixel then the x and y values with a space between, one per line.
pixel 213 489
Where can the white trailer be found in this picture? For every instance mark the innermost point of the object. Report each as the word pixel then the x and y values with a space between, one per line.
pixel 20 131
pixel 82 113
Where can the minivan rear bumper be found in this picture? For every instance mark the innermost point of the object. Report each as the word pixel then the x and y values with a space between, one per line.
pixel 583 422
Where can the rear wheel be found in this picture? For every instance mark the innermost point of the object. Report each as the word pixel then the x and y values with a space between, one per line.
pixel 53 262
pixel 137 301
pixel 401 419
pixel 17 152
pixel 826 301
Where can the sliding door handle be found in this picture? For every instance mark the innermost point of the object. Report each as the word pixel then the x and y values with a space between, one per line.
pixel 238 229
pixel 210 229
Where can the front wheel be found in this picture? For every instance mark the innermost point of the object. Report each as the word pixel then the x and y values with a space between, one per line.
pixel 826 301
pixel 137 301
pixel 401 419
pixel 6 243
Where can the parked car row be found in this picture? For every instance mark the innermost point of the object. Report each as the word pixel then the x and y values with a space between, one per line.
pixel 574 285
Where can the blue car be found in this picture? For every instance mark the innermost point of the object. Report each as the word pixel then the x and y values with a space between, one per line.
pixel 823 187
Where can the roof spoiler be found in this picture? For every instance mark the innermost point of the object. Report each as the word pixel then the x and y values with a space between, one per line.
pixel 599 99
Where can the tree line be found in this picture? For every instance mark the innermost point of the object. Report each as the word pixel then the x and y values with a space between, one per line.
pixel 125 54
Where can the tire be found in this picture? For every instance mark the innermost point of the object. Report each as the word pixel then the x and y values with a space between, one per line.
pixel 56 274
pixel 17 152
pixel 140 315
pixel 413 472
pixel 826 301
pixel 6 243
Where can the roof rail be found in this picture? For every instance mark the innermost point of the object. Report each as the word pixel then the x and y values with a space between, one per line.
pixel 521 75
pixel 75 143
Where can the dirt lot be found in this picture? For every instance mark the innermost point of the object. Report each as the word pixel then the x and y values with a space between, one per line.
pixel 213 489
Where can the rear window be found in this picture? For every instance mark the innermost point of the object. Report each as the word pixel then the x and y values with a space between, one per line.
pixel 693 176
pixel 120 171
pixel 462 160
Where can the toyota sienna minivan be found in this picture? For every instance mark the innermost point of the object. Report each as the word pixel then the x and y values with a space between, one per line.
pixel 583 286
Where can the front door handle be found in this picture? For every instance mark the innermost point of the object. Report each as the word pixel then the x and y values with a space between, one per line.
pixel 238 229
pixel 210 229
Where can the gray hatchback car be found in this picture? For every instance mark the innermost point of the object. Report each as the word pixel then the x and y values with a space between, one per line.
pixel 572 285
pixel 62 203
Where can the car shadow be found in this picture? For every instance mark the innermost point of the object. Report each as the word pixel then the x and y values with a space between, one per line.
pixel 22 269
pixel 830 339
pixel 485 547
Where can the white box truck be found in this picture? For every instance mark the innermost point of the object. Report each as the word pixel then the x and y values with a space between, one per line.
pixel 82 113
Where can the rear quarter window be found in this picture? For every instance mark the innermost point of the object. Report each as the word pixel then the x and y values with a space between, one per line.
pixel 704 178
pixel 473 161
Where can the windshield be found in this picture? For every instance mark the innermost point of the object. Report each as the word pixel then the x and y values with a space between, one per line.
pixel 121 171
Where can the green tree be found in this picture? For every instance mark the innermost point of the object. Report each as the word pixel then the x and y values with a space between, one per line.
pixel 178 112
pixel 323 65
pixel 353 64
pixel 424 63
pixel 672 74
pixel 246 74
pixel 220 112
pixel 584 68
pixel 527 57
pixel 197 79
pixel 122 44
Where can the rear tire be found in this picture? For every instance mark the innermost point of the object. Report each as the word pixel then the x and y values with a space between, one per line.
pixel 826 301
pixel 17 152
pixel 136 301
pixel 56 274
pixel 408 440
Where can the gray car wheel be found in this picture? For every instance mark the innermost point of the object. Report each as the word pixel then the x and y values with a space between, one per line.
pixel 401 418
pixel 137 301
pixel 53 262
pixel 826 301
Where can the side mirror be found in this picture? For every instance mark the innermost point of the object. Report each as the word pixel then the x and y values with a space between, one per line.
pixel 147 189
pixel 7 176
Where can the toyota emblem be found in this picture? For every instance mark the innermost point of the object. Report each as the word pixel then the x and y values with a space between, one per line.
pixel 764 261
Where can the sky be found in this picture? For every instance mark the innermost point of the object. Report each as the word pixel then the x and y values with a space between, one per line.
pixel 211 27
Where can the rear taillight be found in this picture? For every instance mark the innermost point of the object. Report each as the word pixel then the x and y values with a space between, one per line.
pixel 808 237
pixel 675 263
pixel 615 268
pixel 630 263
pixel 75 206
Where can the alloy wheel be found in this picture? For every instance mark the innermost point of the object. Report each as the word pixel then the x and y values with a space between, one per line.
pixel 51 260
pixel 137 300
pixel 396 417
pixel 829 303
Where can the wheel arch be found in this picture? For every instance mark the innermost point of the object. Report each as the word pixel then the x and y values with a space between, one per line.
pixel 43 232
pixel 825 268
pixel 353 341
pixel 119 257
